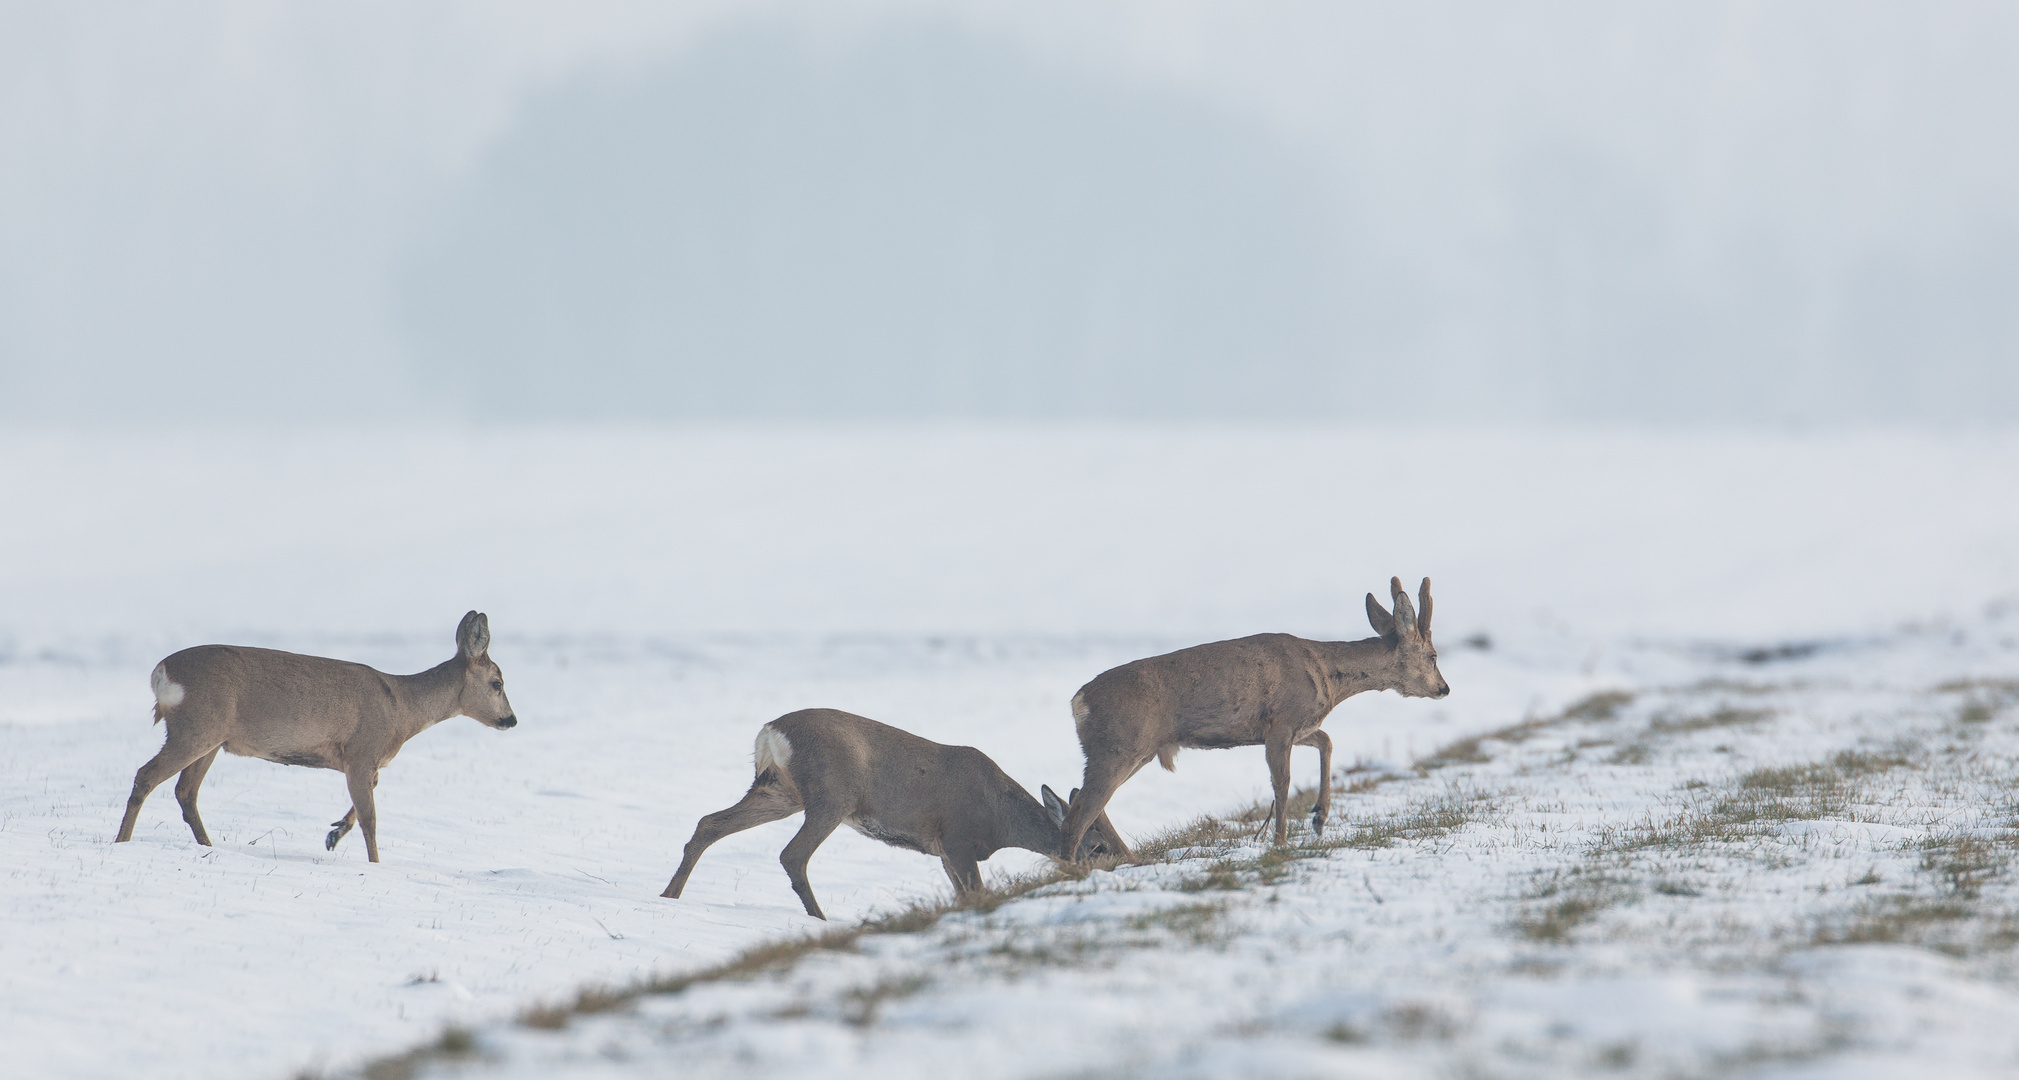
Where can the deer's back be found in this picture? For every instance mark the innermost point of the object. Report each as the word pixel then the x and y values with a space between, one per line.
pixel 891 785
pixel 281 706
pixel 1220 694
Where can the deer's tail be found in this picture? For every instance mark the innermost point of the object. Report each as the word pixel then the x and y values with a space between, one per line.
pixel 167 692
pixel 774 752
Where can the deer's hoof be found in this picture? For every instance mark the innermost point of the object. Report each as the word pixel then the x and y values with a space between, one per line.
pixel 330 842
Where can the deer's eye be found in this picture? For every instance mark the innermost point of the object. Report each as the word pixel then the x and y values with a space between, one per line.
pixel 497 684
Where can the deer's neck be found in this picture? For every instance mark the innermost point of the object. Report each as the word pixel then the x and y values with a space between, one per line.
pixel 427 698
pixel 1352 667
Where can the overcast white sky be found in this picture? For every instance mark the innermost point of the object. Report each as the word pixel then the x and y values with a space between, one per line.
pixel 1694 212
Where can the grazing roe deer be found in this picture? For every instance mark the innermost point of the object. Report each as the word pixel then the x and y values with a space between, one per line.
pixel 307 710
pixel 1272 690
pixel 889 785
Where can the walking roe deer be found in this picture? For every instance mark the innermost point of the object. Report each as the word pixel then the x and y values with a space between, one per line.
pixel 888 785
pixel 308 710
pixel 1272 690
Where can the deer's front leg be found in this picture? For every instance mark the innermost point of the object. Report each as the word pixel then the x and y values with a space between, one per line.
pixel 1091 800
pixel 361 782
pixel 342 829
pixel 343 824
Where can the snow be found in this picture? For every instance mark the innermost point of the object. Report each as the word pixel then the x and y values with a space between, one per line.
pixel 655 596
pixel 1431 956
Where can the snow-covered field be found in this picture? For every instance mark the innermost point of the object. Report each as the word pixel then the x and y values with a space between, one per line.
pixel 655 596
pixel 1796 869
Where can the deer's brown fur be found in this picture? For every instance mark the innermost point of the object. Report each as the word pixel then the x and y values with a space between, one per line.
pixel 1271 690
pixel 308 710
pixel 890 785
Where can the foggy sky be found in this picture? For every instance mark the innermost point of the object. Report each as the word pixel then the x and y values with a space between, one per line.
pixel 1573 212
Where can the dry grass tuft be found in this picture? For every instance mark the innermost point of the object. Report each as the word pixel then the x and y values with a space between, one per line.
pixel 1985 699
pixel 1237 866
pixel 1900 920
pixel 861 1004
pixel 545 1017
pixel 1855 764
pixel 1554 922
pixel 454 1043
pixel 1573 899
pixel 1961 863
pixel 1199 924
pixel 1750 805
pixel 2005 688
pixel 1440 814
pixel 1604 705
pixel 1719 718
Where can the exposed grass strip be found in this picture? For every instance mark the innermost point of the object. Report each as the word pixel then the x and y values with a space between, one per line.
pixel 1604 705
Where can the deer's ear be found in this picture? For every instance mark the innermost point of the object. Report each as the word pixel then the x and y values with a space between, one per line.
pixel 473 635
pixel 1378 617
pixel 1054 805
pixel 1423 609
pixel 1405 613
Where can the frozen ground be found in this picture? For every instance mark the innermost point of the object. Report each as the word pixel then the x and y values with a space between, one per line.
pixel 1793 869
pixel 656 596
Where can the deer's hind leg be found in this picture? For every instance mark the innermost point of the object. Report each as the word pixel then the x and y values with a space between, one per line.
pixel 180 752
pixel 821 821
pixel 185 793
pixel 767 800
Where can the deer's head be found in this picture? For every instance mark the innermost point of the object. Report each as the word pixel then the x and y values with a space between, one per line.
pixel 1093 844
pixel 482 694
pixel 1407 632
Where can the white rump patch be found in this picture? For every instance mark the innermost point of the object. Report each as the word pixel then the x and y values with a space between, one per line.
pixel 1079 707
pixel 167 691
pixel 774 751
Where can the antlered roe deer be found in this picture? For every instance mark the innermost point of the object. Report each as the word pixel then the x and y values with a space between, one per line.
pixel 1272 690
pixel 889 785
pixel 307 710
